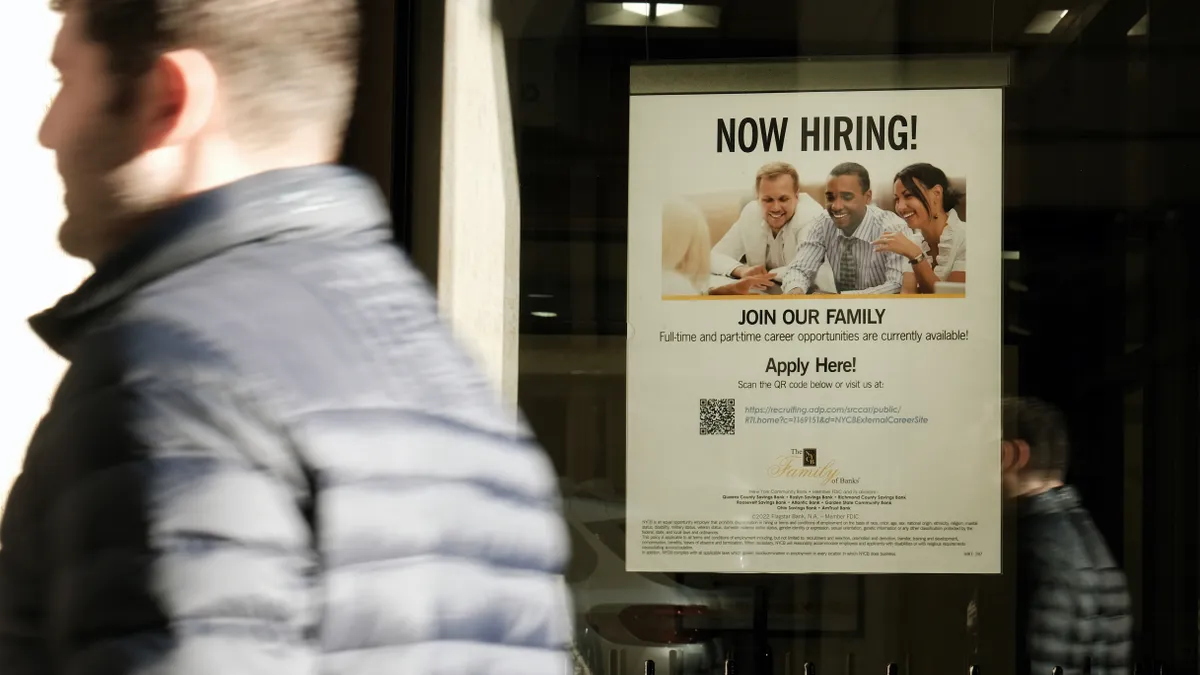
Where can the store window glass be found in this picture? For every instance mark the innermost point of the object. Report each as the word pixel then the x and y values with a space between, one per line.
pixel 1091 282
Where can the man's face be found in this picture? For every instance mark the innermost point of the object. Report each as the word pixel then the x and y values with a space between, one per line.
pixel 777 196
pixel 846 201
pixel 95 149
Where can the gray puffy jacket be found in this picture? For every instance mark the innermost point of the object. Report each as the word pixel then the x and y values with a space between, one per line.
pixel 1073 605
pixel 268 456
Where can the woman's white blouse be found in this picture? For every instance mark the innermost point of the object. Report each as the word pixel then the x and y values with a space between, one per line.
pixel 952 249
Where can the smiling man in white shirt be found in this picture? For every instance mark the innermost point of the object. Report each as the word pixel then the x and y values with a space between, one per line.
pixel 769 231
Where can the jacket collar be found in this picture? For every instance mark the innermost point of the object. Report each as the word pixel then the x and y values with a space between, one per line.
pixel 305 202
pixel 1058 500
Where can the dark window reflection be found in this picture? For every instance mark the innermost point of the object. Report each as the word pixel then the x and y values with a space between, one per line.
pixel 1099 317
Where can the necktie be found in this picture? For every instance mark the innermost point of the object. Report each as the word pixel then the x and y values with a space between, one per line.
pixel 847 276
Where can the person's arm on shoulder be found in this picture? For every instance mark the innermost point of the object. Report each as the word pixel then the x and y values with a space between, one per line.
pixel 923 275
pixel 728 254
pixel 801 272
pixel 918 275
pixel 184 547
pixel 802 225
pixel 895 245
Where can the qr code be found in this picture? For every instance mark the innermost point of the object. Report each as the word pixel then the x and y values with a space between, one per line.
pixel 717 417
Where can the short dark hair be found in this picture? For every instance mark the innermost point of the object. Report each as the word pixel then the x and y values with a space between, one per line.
pixel 287 65
pixel 929 176
pixel 851 169
pixel 1044 428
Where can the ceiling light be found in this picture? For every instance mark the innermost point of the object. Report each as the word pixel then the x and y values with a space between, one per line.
pixel 544 315
pixel 1142 27
pixel 1044 23
pixel 658 14
pixel 681 15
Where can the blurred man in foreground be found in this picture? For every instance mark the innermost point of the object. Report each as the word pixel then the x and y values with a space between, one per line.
pixel 1073 606
pixel 267 454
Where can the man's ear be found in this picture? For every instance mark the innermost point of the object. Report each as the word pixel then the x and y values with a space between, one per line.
pixel 1014 455
pixel 1022 454
pixel 867 196
pixel 180 98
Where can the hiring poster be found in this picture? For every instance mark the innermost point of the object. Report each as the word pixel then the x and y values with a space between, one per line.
pixel 814 332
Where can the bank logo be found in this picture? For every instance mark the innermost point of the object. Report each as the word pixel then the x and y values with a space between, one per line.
pixel 810 457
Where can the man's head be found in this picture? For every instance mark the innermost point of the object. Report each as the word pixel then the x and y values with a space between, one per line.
pixel 161 99
pixel 847 195
pixel 1036 447
pixel 778 188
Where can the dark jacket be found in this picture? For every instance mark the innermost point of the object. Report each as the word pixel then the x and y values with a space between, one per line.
pixel 268 456
pixel 1073 607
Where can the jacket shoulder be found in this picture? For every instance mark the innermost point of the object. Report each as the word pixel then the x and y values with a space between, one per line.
pixel 321 325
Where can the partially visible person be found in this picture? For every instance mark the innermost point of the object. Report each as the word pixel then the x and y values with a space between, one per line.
pixel 937 249
pixel 770 229
pixel 1073 605
pixel 267 454
pixel 687 256
pixel 843 237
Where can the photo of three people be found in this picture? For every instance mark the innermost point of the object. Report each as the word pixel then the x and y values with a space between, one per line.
pixel 837 237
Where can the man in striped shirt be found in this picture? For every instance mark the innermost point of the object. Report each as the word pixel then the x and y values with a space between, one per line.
pixel 843 236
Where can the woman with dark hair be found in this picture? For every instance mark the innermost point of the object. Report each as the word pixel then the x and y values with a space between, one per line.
pixel 937 247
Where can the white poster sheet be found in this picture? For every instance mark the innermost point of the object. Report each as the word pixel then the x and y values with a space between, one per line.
pixel 813 382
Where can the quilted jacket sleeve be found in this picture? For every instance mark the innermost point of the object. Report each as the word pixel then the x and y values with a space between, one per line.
pixel 181 546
